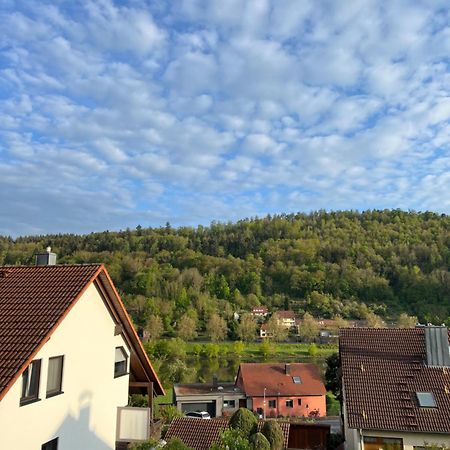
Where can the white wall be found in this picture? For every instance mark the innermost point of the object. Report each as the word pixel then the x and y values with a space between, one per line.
pixel 409 439
pixel 84 416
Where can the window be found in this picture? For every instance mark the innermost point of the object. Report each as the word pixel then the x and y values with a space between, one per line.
pixel 289 403
pixel 54 377
pixel 272 403
pixel 299 401
pixel 426 399
pixel 121 362
pixel 50 445
pixel 229 403
pixel 296 380
pixel 382 443
pixel 30 383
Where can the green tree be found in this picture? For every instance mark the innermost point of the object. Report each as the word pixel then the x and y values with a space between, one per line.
pixel 187 328
pixel 276 329
pixel 244 421
pixel 246 329
pixel 216 328
pixel 274 434
pixel 332 378
pixel 374 321
pixel 154 328
pixel 176 444
pixel 238 348
pixel 405 321
pixel 232 440
pixel 313 350
pixel 266 348
pixel 308 329
pixel 259 442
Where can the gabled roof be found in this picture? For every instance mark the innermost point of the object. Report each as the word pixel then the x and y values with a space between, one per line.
pixel 273 377
pixel 285 314
pixel 383 370
pixel 200 434
pixel 34 300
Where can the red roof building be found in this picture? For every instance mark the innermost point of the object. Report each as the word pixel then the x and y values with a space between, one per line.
pixel 286 390
pixel 396 387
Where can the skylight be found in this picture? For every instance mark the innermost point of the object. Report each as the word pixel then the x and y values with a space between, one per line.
pixel 426 399
pixel 296 380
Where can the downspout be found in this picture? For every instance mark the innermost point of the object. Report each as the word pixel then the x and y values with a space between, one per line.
pixel 361 442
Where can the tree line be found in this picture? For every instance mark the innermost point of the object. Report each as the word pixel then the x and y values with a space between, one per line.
pixel 190 281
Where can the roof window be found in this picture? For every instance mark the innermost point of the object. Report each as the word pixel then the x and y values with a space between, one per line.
pixel 426 399
pixel 296 380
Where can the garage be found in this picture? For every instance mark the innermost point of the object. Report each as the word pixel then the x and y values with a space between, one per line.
pixel 209 407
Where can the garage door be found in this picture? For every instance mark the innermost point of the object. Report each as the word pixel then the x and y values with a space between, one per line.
pixel 207 406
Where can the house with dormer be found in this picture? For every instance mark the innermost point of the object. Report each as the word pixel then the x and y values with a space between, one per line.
pixel 69 358
pixel 395 388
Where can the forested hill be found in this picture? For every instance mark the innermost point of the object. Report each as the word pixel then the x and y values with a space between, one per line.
pixel 338 263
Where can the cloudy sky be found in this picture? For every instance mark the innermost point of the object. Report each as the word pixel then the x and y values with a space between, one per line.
pixel 119 113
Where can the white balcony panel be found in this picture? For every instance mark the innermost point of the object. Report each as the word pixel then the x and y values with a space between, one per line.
pixel 133 424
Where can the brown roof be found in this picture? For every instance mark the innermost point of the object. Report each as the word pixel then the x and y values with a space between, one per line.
pixel 285 314
pixel 200 434
pixel 205 388
pixel 33 302
pixel 273 377
pixel 383 369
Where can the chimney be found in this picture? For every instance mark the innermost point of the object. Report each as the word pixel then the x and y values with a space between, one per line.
pixel 287 369
pixel 46 259
pixel 438 350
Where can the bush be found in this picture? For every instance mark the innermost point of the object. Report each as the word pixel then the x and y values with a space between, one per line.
pixel 244 421
pixel 272 431
pixel 259 442
pixel 333 405
pixel 138 400
pixel 147 445
pixel 167 413
pixel 313 350
pixel 176 444
pixel 232 440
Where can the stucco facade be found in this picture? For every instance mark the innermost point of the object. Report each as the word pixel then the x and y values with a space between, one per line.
pixel 304 406
pixel 84 416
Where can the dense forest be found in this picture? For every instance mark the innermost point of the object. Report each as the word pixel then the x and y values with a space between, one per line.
pixel 346 264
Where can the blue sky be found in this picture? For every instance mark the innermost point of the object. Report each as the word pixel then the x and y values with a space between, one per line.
pixel 114 114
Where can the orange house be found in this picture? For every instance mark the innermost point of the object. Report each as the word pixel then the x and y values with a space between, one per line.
pixel 285 390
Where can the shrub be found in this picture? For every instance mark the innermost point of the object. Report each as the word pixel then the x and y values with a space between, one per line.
pixel 313 350
pixel 176 444
pixel 147 445
pixel 168 413
pixel 272 431
pixel 259 442
pixel 232 440
pixel 244 421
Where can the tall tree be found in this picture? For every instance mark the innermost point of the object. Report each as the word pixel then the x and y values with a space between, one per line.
pixel 187 327
pixel 154 328
pixel 308 328
pixel 246 329
pixel 216 328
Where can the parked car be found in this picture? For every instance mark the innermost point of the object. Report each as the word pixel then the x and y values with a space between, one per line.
pixel 198 414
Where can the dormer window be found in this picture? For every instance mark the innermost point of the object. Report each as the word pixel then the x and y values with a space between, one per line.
pixel 426 399
pixel 30 383
pixel 121 362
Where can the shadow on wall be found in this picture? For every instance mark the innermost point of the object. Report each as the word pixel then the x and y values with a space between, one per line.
pixel 76 433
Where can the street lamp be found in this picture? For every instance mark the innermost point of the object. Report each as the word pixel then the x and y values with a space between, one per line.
pixel 264 404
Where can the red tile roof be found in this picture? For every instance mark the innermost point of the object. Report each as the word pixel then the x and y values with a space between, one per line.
pixel 382 371
pixel 200 434
pixel 273 377
pixel 34 300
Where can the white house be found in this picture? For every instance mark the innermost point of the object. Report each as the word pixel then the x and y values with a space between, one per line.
pixel 69 357
pixel 395 388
